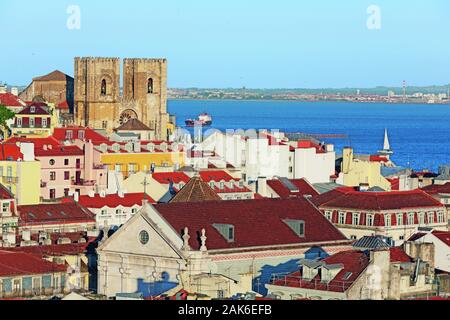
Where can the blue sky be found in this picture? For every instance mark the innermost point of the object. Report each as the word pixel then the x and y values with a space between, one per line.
pixel 234 43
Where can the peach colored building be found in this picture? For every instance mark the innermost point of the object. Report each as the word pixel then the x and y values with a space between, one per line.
pixel 67 169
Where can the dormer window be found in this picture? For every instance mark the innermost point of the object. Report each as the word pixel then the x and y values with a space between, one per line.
pixel 44 123
pixel 212 185
pixel 81 134
pixel 329 215
pixel 298 226
pixel 69 135
pixel 388 220
pixel 431 218
pixel 33 109
pixel 342 217
pixel 31 122
pixel 400 219
pixel 226 230
pixel 19 122
pixel 241 184
pixel 222 185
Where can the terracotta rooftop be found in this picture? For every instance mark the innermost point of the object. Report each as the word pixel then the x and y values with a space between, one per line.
pixel 34 110
pixel 44 214
pixel 398 255
pixel 256 222
pixel 114 200
pixel 351 264
pixel 348 198
pixel 20 264
pixel 168 177
pixel 54 76
pixel 296 188
pixel 216 176
pixel 133 125
pixel 196 191
pixel 10 100
pixel 437 189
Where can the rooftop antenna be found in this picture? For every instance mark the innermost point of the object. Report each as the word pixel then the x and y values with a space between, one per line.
pixel 145 184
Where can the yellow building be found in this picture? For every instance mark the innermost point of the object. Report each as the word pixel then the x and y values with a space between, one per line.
pixel 133 157
pixel 20 172
pixel 34 121
pixel 356 172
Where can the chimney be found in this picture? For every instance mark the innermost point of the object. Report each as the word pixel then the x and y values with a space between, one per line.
pixel 26 235
pixel 76 196
pixel 121 194
pixel 364 187
pixel 91 194
pixel 103 194
pixel 27 149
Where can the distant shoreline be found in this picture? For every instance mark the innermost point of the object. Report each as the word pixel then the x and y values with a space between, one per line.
pixel 314 101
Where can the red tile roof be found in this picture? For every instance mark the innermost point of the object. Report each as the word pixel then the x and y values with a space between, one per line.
pixel 398 255
pixel 10 100
pixel 304 188
pixel 38 110
pixel 353 263
pixel 216 176
pixel 60 134
pixel 10 152
pixel 307 144
pixel 443 236
pixel 348 198
pixel 55 250
pixel 114 200
pixel 5 194
pixel 378 159
pixel 256 223
pixel 20 264
pixel 49 147
pixel 168 177
pixel 437 189
pixel 63 105
pixel 64 213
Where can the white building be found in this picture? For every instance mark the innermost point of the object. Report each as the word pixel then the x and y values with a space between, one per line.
pixel 441 241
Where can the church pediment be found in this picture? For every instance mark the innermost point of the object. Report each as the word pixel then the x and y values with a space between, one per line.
pixel 141 237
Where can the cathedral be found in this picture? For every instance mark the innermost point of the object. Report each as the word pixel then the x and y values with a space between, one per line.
pixel 101 104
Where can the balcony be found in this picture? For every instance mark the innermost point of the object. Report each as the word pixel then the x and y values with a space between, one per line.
pixel 84 183
pixel 10 180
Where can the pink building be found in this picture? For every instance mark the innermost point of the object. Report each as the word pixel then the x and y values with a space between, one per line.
pixel 66 170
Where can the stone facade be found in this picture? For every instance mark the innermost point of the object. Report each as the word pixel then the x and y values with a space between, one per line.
pixel 55 88
pixel 99 103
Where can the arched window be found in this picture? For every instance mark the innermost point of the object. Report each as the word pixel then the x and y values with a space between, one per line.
pixel 103 87
pixel 150 86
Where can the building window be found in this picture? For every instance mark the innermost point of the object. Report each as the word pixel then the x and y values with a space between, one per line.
pixel 66 162
pixel 212 185
pixel 329 215
pixel 421 218
pixel 118 168
pixel 66 192
pixel 6 207
pixel 103 88
pixel 441 217
pixel 226 230
pixel 104 212
pixel 297 226
pixel 81 134
pixel 69 135
pixel 105 124
pixel 388 220
pixel 144 237
pixel 53 176
pixel 118 212
pixel 44 123
pixel 431 218
pixel 400 219
pixel 356 219
pixel 52 162
pixel 67 175
pixel 150 85
pixel 133 211
pixel 31 122
pixel 411 219
pixel 222 185
pixel 33 109
pixel 19 122
pixel 52 194
pixel 341 218
pixel 370 220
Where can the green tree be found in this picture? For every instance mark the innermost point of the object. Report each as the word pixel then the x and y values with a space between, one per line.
pixel 5 115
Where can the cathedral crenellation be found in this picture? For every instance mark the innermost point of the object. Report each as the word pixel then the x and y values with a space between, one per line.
pixel 99 103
